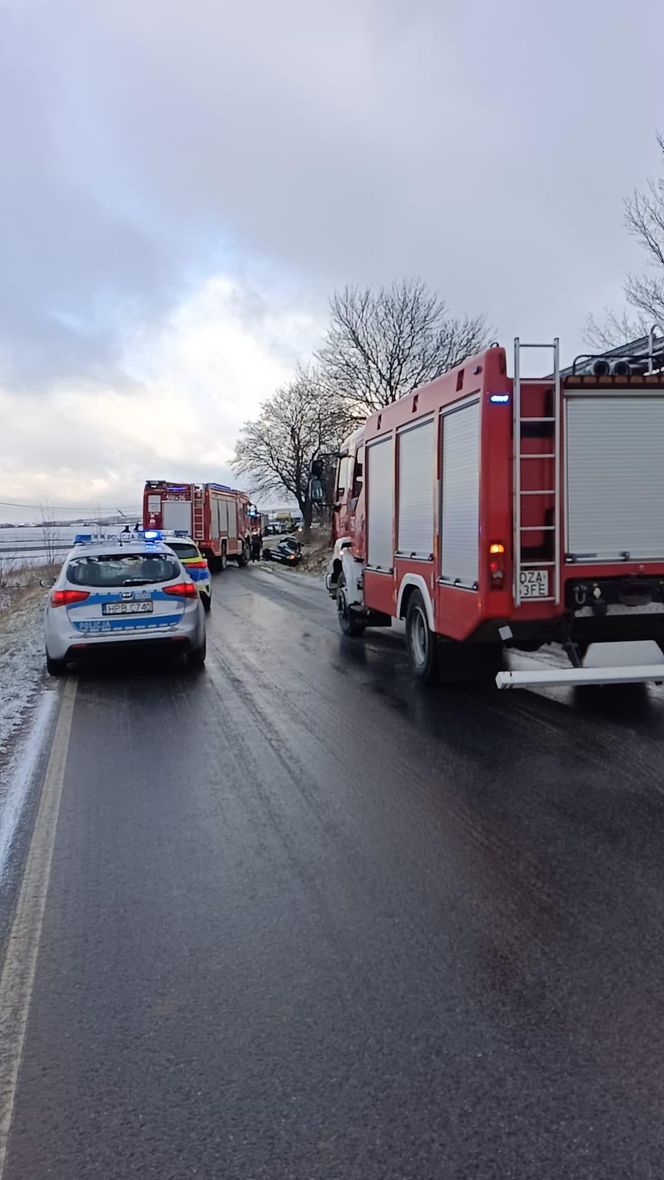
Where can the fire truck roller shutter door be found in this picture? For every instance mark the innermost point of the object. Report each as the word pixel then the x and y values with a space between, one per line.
pixel 222 508
pixel 232 520
pixel 176 514
pixel 461 495
pixel 615 476
pixel 415 490
pixel 380 503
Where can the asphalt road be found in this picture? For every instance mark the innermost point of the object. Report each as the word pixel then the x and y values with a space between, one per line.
pixel 307 921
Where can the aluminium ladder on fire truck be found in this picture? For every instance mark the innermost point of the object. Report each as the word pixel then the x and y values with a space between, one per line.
pixel 521 457
pixel 198 517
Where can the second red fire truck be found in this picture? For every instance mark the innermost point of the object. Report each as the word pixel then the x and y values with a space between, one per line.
pixel 493 511
pixel 215 516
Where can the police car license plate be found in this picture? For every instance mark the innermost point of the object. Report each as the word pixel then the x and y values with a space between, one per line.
pixel 126 608
pixel 534 584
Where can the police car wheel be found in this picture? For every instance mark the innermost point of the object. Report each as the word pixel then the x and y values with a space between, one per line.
pixel 206 599
pixel 197 657
pixel 55 667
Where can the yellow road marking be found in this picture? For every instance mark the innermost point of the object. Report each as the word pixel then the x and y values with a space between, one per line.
pixel 20 964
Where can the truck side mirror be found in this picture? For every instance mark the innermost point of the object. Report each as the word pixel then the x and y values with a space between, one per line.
pixel 316 490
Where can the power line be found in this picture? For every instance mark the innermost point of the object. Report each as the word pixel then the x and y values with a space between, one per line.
pixel 67 507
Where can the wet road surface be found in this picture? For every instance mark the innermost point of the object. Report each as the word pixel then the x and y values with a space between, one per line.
pixel 306 920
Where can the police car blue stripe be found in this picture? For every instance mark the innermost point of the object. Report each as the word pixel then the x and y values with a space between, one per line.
pixel 128 623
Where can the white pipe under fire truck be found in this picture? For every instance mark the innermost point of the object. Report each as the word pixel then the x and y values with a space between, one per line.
pixel 495 512
pixel 215 516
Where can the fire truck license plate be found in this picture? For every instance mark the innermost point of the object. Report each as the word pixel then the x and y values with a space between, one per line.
pixel 534 584
pixel 126 608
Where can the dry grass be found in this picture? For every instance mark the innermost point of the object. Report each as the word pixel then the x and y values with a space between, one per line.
pixel 20 587
pixel 316 554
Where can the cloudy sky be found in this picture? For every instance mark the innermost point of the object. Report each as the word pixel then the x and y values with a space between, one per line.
pixel 183 185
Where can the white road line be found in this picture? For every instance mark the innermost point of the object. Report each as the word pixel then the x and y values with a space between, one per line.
pixel 18 973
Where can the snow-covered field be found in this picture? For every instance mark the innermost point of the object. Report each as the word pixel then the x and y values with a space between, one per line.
pixel 34 545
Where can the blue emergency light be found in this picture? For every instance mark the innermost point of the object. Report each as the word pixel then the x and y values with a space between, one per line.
pixel 499 399
pixel 101 538
pixel 153 534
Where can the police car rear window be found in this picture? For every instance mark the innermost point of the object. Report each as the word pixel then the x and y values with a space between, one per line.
pixel 122 569
pixel 183 550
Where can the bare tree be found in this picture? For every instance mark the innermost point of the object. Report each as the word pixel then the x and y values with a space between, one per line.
pixel 644 219
pixel 300 422
pixel 382 344
pixel 8 568
pixel 49 534
pixel 615 329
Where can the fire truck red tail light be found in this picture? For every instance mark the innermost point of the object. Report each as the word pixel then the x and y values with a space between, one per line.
pixel 182 590
pixel 68 597
pixel 497 565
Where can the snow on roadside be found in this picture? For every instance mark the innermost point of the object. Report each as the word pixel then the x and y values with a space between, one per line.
pixel 21 653
pixel 17 777
pixel 26 713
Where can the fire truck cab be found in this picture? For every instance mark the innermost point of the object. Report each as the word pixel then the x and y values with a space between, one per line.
pixel 495 511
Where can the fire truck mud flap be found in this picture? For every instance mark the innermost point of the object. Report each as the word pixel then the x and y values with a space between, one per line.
pixel 569 677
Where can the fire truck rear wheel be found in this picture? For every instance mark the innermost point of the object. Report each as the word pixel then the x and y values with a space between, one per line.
pixel 349 625
pixel 421 642
pixel 244 557
pixel 223 560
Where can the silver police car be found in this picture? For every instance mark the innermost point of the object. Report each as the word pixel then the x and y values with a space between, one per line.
pixel 122 592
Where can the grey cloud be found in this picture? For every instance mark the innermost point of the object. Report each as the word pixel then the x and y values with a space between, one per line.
pixel 486 148
pixel 77 265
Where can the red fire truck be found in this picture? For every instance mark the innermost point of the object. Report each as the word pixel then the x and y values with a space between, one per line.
pixel 493 511
pixel 216 516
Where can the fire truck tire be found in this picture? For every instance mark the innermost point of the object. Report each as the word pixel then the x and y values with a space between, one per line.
pixel 422 644
pixel 244 557
pixel 223 560
pixel 349 625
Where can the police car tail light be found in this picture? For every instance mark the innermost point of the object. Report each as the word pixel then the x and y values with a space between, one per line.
pixel 182 590
pixel 68 597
